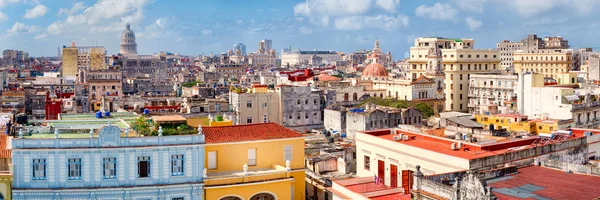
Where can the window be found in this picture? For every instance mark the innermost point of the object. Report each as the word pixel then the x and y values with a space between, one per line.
pixel 460 96
pixel 367 163
pixel 110 168
pixel 249 120
pixel 144 167
pixel 176 165
pixel 249 104
pixel 306 115
pixel 460 77
pixel 212 160
pixel 251 157
pixel 306 101
pixel 178 198
pixel 264 105
pixel 74 167
pixel 265 118
pixel 315 101
pixel 287 153
pixel 39 169
pixel 298 101
pixel 460 86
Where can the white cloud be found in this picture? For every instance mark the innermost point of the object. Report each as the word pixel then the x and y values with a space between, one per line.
pixel 379 21
pixel 207 32
pixel 103 16
pixel 37 11
pixel 19 27
pixel 160 22
pixel 389 5
pixel 350 14
pixel 40 36
pixel 475 6
pixel 544 21
pixel 473 23
pixel 6 2
pixel 3 17
pixel 78 6
pixel 179 39
pixel 305 30
pixel 438 11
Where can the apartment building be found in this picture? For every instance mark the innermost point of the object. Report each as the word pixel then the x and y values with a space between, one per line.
pixel 459 60
pixel 492 93
pixel 258 105
pixel 549 62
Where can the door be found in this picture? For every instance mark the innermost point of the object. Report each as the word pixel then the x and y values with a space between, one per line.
pixel 393 176
pixel 407 179
pixel 381 171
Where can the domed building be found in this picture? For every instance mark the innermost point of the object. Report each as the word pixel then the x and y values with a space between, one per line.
pixel 128 45
pixel 374 70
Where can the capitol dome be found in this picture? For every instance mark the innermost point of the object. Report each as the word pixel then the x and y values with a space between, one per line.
pixel 374 69
pixel 128 45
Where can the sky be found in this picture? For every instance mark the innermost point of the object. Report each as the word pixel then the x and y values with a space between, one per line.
pixel 194 27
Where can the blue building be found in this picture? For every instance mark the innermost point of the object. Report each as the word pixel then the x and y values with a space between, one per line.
pixel 109 166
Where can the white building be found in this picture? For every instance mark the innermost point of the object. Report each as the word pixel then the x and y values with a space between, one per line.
pixel 492 90
pixel 128 45
pixel 304 57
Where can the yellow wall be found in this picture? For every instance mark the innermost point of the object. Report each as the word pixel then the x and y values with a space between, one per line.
pixel 97 58
pixel 221 123
pixel 260 89
pixel 69 61
pixel 5 185
pixel 232 156
pixel 269 156
pixel 534 127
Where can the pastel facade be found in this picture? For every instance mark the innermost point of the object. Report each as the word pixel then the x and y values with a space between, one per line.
pixel 250 162
pixel 459 60
pixel 109 166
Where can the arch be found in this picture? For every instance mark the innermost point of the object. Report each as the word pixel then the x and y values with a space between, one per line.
pixel 231 197
pixel 355 97
pixel 264 195
pixel 346 97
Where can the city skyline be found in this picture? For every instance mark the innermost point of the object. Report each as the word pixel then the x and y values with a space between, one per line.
pixel 193 28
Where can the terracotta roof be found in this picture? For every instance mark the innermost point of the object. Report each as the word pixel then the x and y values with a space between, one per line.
pixel 547 183
pixel 248 132
pixel 327 77
pixel 374 70
pixel 422 80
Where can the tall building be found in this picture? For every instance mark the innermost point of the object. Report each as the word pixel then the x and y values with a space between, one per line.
pixel 265 45
pixel 128 45
pixel 240 47
pixel 459 60
pixel 110 165
pixel 530 43
pixel 549 62
pixel 70 62
pixel 256 106
pixel 11 55
pixel 492 93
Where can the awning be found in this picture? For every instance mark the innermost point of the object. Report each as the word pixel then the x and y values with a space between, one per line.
pixel 572 97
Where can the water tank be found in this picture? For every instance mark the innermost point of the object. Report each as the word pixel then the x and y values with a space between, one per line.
pixel 107 114
pixel 219 118
pixel 458 136
pixel 146 111
pixel 98 114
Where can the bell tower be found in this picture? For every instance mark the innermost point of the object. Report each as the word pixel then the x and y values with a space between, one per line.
pixel 435 70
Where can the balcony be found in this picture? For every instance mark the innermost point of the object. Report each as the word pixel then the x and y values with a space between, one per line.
pixel 252 176
pixel 577 107
pixel 594 103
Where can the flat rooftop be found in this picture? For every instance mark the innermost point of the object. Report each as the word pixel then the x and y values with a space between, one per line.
pixel 468 151
pixel 367 187
pixel 535 182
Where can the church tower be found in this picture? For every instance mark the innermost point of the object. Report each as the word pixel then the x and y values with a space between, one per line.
pixel 435 70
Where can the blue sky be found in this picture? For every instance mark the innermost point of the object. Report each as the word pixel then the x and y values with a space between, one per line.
pixel 192 27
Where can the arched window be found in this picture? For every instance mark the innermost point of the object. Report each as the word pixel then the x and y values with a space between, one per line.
pixel 262 196
pixel 346 97
pixel 355 97
pixel 230 198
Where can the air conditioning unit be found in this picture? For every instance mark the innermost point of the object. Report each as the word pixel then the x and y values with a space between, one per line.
pixel 396 138
pixel 405 137
pixel 459 145
pixel 453 146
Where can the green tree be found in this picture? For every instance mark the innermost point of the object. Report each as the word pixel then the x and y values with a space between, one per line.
pixel 141 126
pixel 425 109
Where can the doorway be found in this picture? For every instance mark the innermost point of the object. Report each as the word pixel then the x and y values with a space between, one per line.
pixel 381 171
pixel 393 176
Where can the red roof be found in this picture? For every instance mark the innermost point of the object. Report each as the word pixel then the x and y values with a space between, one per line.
pixel 442 145
pixel 248 132
pixel 555 184
pixel 366 187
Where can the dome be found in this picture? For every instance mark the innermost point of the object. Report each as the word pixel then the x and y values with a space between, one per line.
pixel 128 45
pixel 374 70
pixel 128 33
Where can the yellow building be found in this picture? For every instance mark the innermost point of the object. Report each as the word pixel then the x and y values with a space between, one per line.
pixel 97 58
pixel 272 169
pixel 69 61
pixel 6 179
pixel 520 123
pixel 459 60
pixel 550 63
